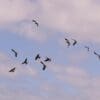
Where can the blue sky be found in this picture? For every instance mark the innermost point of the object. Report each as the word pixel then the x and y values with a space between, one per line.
pixel 73 72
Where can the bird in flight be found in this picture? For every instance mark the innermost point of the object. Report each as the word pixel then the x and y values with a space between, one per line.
pixel 37 57
pixel 25 61
pixel 14 52
pixel 67 41
pixel 47 59
pixel 44 66
pixel 97 54
pixel 37 24
pixel 75 42
pixel 88 49
pixel 12 70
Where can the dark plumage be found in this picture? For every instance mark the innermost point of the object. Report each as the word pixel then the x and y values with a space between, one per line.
pixel 47 59
pixel 14 52
pixel 44 66
pixel 25 61
pixel 97 55
pixel 67 41
pixel 12 70
pixel 88 49
pixel 75 42
pixel 37 57
pixel 37 24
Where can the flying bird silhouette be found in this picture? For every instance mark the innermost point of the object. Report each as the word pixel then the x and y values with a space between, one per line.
pixel 97 55
pixel 67 41
pixel 25 61
pixel 14 52
pixel 12 70
pixel 75 42
pixel 37 57
pixel 47 59
pixel 88 49
pixel 44 66
pixel 37 24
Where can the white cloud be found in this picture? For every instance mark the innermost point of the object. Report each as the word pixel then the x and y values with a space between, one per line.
pixel 13 11
pixel 80 18
pixel 29 30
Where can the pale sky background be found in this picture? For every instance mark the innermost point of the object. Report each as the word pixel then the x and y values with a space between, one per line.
pixel 74 73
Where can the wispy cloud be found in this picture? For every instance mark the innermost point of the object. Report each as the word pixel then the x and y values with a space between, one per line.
pixel 78 17
pixel 81 19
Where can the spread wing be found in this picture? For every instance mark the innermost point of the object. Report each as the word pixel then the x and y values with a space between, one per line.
pixel 88 49
pixel 75 42
pixel 37 57
pixel 67 41
pixel 12 70
pixel 37 24
pixel 44 66
pixel 47 59
pixel 25 61
pixel 14 52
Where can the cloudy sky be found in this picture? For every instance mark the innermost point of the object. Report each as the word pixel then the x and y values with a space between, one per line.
pixel 73 73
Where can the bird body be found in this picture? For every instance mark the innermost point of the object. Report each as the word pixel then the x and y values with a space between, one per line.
pixel 37 24
pixel 12 70
pixel 44 66
pixel 47 59
pixel 25 61
pixel 97 54
pixel 75 42
pixel 88 49
pixel 14 52
pixel 67 41
pixel 37 57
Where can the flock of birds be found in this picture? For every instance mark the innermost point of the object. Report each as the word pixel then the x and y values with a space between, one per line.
pixel 87 47
pixel 37 57
pixel 47 59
